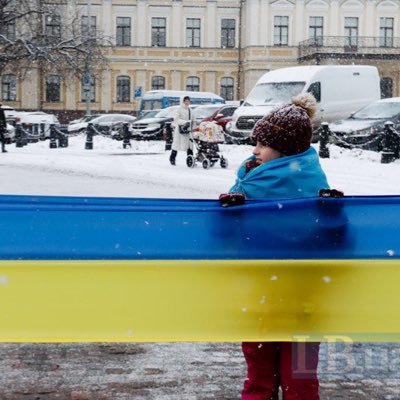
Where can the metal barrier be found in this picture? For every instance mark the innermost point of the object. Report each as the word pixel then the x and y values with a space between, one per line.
pixel 388 140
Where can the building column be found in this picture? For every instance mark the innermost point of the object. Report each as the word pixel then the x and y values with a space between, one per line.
pixel 211 82
pixel 106 99
pixel 369 24
pixel 335 23
pixel 252 22
pixel 265 31
pixel 176 77
pixel 299 34
pixel 108 23
pixel 211 25
pixel 142 35
pixel 177 37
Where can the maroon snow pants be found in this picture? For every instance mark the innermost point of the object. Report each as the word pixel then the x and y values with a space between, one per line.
pixel 292 366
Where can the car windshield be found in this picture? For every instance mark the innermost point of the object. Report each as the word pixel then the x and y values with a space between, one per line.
pixel 273 93
pixel 204 112
pixel 378 110
pixel 88 118
pixel 167 112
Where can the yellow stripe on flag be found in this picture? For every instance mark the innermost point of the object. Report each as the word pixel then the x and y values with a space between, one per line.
pixel 199 300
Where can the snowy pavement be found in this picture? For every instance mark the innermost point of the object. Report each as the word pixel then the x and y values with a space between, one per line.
pixel 144 171
pixel 167 371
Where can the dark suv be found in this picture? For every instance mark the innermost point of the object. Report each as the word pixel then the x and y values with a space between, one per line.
pixel 153 128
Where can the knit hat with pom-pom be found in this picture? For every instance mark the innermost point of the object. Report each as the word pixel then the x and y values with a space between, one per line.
pixel 288 129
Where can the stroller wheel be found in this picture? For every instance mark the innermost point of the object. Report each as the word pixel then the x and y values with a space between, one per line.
pixel 190 161
pixel 224 162
pixel 206 163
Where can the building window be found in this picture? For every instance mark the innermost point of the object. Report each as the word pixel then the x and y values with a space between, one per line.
pixel 193 83
pixel 123 31
pixel 193 32
pixel 53 28
pixel 53 88
pixel 350 33
pixel 157 83
pixel 88 31
pixel 386 32
pixel 227 88
pixel 8 29
pixel 281 31
pixel 123 89
pixel 386 87
pixel 316 30
pixel 9 87
pixel 88 92
pixel 228 32
pixel 158 32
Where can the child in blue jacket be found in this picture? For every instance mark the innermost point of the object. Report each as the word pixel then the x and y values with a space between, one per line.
pixel 283 165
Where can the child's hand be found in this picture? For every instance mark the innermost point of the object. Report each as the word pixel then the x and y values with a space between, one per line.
pixel 231 199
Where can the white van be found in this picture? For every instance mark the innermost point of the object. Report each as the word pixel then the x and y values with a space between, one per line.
pixel 339 90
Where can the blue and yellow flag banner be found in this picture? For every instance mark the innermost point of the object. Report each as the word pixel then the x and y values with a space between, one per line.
pixel 133 270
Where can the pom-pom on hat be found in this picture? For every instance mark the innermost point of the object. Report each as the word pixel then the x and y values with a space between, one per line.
pixel 288 129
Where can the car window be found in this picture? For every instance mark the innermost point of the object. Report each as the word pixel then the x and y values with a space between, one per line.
pixel 227 112
pixel 167 112
pixel 204 112
pixel 273 93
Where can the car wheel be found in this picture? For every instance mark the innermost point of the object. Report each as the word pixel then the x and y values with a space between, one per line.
pixel 228 140
pixel 190 161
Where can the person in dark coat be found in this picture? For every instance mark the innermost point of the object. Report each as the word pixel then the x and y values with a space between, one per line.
pixel 3 129
pixel 283 165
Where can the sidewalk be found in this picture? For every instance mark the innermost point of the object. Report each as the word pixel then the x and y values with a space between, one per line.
pixel 174 371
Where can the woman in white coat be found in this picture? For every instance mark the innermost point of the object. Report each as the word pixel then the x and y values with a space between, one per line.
pixel 181 142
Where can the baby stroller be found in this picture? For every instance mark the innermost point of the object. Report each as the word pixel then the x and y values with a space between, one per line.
pixel 206 138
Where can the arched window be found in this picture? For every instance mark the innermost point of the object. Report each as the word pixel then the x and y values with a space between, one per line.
pixel 123 89
pixel 9 87
pixel 227 88
pixel 157 83
pixel 193 83
pixel 88 86
pixel 53 88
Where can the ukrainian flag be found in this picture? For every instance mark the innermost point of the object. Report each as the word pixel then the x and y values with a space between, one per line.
pixel 75 269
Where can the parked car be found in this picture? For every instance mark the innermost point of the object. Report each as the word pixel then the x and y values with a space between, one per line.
pixel 219 114
pixel 80 125
pixel 37 123
pixel 9 135
pixel 108 124
pixel 365 127
pixel 10 113
pixel 105 123
pixel 156 127
pixel 214 112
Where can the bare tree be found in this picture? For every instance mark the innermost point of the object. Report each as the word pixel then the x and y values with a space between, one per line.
pixel 54 36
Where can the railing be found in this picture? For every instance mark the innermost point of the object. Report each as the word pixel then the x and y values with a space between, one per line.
pixel 345 45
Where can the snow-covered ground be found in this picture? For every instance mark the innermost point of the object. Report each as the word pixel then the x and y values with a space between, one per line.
pixel 144 171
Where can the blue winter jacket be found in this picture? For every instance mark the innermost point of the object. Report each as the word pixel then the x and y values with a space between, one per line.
pixel 294 176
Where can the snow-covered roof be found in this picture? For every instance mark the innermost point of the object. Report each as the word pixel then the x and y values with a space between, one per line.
pixel 304 73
